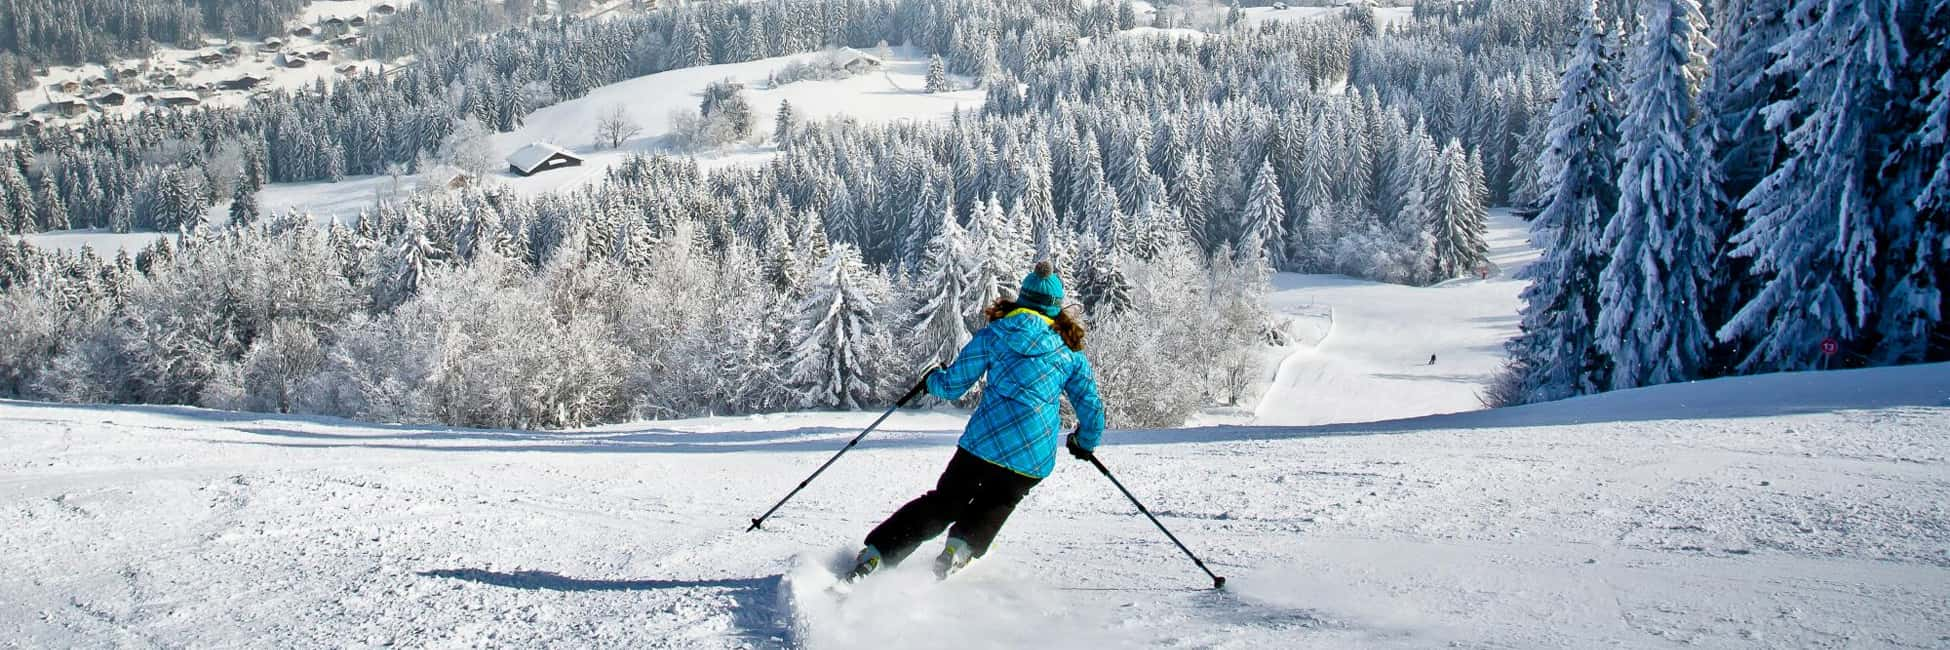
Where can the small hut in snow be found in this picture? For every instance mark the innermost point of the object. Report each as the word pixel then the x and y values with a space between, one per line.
pixel 540 157
pixel 855 61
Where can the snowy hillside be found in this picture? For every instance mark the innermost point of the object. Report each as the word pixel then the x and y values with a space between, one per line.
pixel 1369 345
pixel 1761 522
pixel 893 93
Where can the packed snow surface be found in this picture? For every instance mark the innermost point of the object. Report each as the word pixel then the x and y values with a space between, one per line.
pixel 1372 343
pixel 1775 511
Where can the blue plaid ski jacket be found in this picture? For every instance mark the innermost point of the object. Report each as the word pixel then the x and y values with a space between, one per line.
pixel 1016 425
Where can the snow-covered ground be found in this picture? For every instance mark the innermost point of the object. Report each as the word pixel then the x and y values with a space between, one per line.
pixel 1374 361
pixel 892 94
pixel 1785 511
pixel 1775 511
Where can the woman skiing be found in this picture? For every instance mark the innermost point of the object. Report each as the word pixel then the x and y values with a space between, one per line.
pixel 1031 351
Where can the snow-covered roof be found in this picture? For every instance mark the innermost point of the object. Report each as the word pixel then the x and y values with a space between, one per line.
pixel 179 97
pixel 528 158
pixel 850 54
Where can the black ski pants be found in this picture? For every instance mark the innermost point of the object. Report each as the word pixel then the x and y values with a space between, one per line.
pixel 973 496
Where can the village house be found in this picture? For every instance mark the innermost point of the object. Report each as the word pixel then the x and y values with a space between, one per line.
pixel 540 157
pixel 244 82
pixel 384 9
pixel 303 31
pixel 110 97
pixel 856 62
pixel 175 99
pixel 68 107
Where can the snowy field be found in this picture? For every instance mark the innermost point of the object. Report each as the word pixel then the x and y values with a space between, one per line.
pixel 1373 360
pixel 1785 511
pixel 892 94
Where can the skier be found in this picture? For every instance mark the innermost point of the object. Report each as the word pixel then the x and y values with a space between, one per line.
pixel 1031 350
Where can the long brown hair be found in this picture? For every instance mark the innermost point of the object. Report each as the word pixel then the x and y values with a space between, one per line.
pixel 1067 325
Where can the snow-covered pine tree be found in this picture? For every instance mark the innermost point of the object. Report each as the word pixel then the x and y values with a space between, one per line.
pixel 1557 355
pixel 1740 149
pixel 937 81
pixel 53 210
pixel 1189 195
pixel 1816 223
pixel 837 323
pixel 1458 218
pixel 1263 216
pixel 924 215
pixel 987 254
pixel 243 201
pixel 1651 294
pixel 1101 283
pixel 1914 323
pixel 782 124
pixel 944 312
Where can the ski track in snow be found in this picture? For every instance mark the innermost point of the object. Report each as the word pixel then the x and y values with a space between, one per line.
pixel 1365 353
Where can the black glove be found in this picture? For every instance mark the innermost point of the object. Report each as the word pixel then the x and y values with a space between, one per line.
pixel 922 386
pixel 1076 448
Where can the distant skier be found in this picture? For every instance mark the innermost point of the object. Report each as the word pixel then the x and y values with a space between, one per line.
pixel 1431 359
pixel 1031 351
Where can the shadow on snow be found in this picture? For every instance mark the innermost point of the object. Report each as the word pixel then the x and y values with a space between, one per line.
pixel 761 607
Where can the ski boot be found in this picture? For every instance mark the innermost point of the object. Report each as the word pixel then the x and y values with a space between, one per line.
pixel 953 557
pixel 867 562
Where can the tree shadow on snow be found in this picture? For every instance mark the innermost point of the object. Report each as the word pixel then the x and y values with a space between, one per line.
pixel 551 581
pixel 761 608
pixel 785 440
pixel 1758 396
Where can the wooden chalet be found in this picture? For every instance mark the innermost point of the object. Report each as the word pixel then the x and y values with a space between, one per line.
pixel 540 157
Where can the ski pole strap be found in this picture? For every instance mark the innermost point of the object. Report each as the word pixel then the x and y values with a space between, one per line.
pixel 1217 582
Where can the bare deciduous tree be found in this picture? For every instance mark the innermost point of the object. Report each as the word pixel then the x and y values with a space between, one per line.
pixel 616 126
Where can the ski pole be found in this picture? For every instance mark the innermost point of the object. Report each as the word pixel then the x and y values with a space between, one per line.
pixel 911 394
pixel 1217 582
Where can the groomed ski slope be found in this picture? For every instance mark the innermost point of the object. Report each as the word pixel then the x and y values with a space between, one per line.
pixel 1781 511
pixel 1365 346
